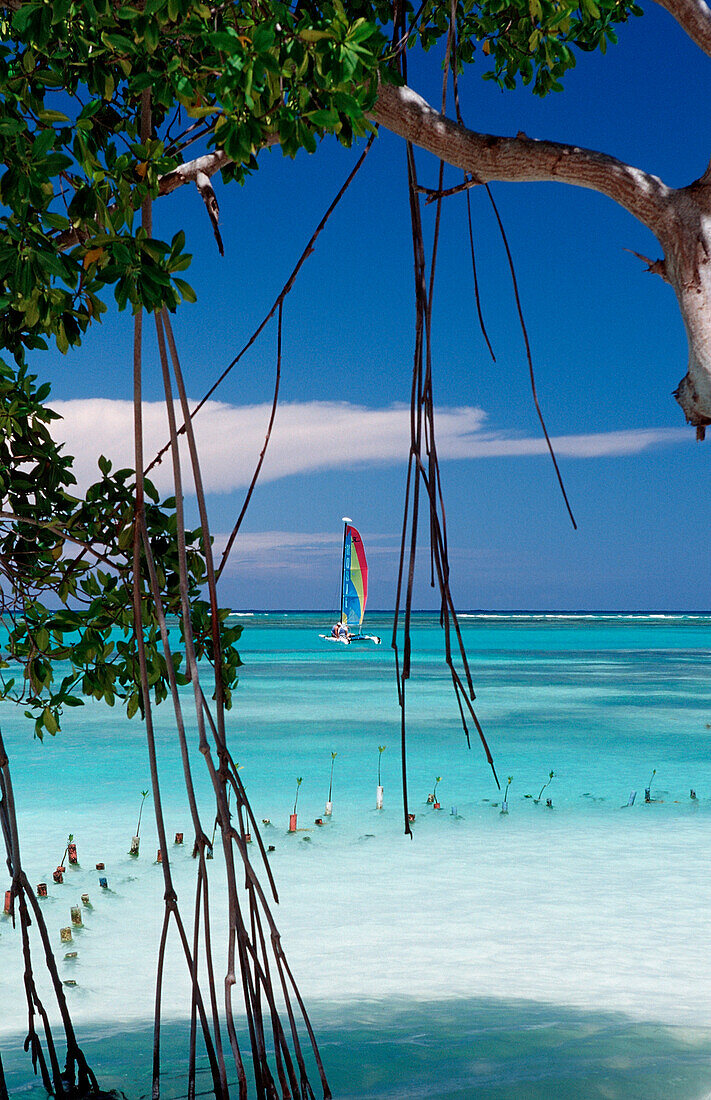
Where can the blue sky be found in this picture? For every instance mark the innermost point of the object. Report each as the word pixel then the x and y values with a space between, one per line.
pixel 607 340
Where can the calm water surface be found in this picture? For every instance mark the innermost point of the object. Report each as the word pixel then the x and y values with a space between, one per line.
pixel 547 952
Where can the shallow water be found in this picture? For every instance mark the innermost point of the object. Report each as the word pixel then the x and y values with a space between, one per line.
pixel 560 952
pixel 495 1049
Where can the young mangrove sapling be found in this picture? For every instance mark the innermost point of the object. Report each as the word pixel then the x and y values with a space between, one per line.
pixel 292 818
pixel 379 793
pixel 135 842
pixel 299 781
pixel 144 796
pixel 381 750
pixel 70 838
pixel 330 784
pixel 551 777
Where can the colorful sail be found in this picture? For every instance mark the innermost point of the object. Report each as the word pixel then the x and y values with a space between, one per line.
pixel 355 578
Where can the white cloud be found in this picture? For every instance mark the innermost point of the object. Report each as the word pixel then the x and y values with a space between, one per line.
pixel 271 551
pixel 257 542
pixel 309 436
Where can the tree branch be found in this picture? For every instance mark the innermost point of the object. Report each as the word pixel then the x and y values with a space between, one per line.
pixel 521 159
pixel 694 17
pixel 206 165
pixel 487 157
pixel 654 267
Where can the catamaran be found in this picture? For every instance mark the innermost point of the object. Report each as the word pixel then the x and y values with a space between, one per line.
pixel 354 590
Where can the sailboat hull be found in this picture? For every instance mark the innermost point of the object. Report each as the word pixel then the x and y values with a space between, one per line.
pixel 354 638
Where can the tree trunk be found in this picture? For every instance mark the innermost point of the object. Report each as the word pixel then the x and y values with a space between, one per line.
pixel 687 247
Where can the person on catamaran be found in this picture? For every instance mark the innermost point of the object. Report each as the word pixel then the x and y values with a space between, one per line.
pixel 343 631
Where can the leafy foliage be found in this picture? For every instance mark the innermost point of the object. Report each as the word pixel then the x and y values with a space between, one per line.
pixel 236 77
pixel 69 562
pixel 534 40
pixel 72 76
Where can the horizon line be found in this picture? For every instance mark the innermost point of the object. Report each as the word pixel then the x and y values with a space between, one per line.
pixel 476 611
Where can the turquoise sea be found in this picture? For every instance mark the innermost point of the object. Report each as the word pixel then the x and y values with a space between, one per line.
pixel 560 951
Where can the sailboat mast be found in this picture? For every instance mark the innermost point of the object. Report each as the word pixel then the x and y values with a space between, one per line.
pixel 346 520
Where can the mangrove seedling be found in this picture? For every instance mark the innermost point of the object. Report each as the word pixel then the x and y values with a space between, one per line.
pixel 505 800
pixel 144 796
pixel 70 838
pixel 381 750
pixel 648 788
pixel 299 781
pixel 136 840
pixel 438 779
pixel 330 785
pixel 551 777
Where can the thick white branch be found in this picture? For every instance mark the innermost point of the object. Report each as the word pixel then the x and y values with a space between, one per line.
pixel 203 166
pixel 520 158
pixel 694 17
pixel 206 165
pixel 517 159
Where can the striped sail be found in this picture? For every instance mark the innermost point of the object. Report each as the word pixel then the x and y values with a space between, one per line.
pixel 355 579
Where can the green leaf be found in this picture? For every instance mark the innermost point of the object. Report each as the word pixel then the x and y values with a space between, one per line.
pixel 11 126
pixel 56 221
pixel 312 34
pixel 49 720
pixel 322 118
pixel 263 38
pixel 186 291
pixel 46 115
